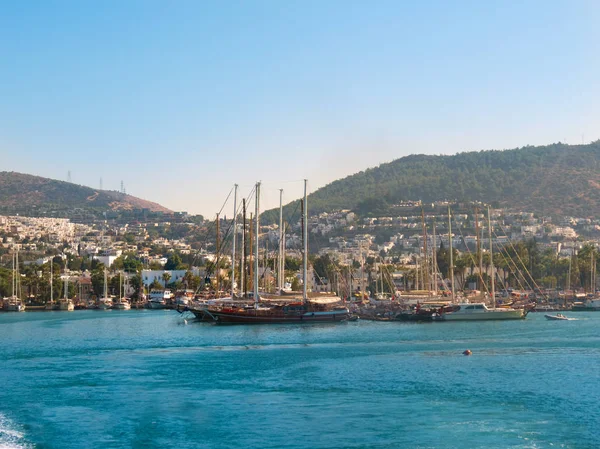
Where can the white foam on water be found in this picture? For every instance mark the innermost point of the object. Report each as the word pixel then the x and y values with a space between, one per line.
pixel 10 437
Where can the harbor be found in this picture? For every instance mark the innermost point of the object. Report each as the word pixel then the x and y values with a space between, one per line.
pixel 152 379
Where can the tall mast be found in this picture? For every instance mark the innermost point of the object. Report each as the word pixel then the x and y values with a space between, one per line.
pixel 243 258
pixel 283 259
pixel 234 236
pixel 280 267
pixel 105 283
pixel 492 262
pixel 425 264
pixel 451 255
pixel 257 219
pixel 251 248
pixel 14 274
pixel 17 277
pixel 51 278
pixel 305 253
pixel 434 262
pixel 592 270
pixel 67 285
pixel 478 250
pixel 217 251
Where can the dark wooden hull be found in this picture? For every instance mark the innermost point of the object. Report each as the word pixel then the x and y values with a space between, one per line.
pixel 415 317
pixel 252 317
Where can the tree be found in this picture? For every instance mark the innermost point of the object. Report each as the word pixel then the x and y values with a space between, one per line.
pixel 166 277
pixel 174 262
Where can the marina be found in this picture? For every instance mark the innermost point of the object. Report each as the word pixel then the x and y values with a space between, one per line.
pixel 146 379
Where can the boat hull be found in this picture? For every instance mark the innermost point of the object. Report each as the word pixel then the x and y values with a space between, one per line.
pixel 516 314
pixel 264 318
pixel 156 305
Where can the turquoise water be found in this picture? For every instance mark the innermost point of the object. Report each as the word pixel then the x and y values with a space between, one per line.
pixel 148 379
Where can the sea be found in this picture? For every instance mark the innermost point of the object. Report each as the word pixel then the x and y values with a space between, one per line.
pixel 158 379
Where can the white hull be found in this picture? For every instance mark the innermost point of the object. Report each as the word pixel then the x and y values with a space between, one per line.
pixel 515 314
pixel 105 305
pixel 122 306
pixel 156 305
pixel 15 308
pixel 66 305
pixel 479 312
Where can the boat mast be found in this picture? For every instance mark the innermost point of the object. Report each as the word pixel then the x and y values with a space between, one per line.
pixel 451 255
pixel 17 277
pixel 234 235
pixel 478 248
pixel 305 252
pixel 105 283
pixel 280 266
pixel 251 248
pixel 14 277
pixel 51 278
pixel 217 250
pixel 434 262
pixel 67 284
pixel 492 262
pixel 425 264
pixel 243 258
pixel 257 219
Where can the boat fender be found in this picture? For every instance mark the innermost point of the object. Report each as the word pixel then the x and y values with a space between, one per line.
pixel 467 352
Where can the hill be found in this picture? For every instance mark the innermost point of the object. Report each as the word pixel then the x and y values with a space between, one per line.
pixel 554 180
pixel 25 194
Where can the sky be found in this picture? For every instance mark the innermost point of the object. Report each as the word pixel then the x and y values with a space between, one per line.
pixel 181 99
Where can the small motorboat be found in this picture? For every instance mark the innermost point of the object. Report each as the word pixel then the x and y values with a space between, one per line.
pixel 559 316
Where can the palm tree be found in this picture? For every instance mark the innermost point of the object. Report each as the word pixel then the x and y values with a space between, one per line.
pixel 166 277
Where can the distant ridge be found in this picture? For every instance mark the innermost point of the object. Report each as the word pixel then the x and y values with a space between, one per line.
pixel 555 180
pixel 22 192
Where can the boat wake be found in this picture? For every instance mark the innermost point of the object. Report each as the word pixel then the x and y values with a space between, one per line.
pixel 10 437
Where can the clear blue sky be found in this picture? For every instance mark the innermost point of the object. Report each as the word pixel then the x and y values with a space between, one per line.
pixel 182 99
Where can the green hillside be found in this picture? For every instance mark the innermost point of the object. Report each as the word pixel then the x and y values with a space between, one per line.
pixel 22 193
pixel 555 179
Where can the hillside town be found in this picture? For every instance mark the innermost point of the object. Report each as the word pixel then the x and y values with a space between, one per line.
pixel 351 255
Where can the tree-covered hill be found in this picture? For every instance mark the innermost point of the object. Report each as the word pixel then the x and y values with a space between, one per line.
pixel 22 193
pixel 555 179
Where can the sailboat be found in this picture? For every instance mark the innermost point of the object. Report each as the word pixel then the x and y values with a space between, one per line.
pixel 299 311
pixel 14 302
pixel 66 303
pixel 105 302
pixel 466 311
pixel 122 303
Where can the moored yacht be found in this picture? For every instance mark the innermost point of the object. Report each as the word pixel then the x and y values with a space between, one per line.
pixel 105 303
pixel 66 304
pixel 589 305
pixel 157 299
pixel 121 304
pixel 479 311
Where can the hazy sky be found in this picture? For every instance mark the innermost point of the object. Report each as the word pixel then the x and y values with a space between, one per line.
pixel 182 99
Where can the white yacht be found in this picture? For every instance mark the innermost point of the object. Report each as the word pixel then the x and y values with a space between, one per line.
pixel 122 304
pixel 479 311
pixel 157 299
pixel 66 304
pixel 13 304
pixel 105 302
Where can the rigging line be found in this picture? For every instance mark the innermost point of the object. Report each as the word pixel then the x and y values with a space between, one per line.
pixel 516 273
pixel 515 270
pixel 211 227
pixel 226 199
pixel 520 260
pixel 471 255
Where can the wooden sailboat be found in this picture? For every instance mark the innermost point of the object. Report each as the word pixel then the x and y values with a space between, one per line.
pixel 14 302
pixel 298 311
pixel 66 303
